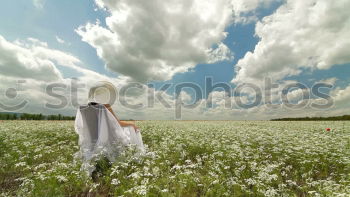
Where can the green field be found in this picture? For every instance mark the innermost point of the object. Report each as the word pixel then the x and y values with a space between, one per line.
pixel 184 158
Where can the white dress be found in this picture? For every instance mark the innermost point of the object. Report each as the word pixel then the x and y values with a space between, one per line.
pixel 101 134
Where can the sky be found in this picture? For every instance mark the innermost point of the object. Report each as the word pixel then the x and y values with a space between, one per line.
pixel 240 44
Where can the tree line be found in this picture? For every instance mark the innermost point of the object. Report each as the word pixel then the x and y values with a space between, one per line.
pixel 26 116
pixel 333 118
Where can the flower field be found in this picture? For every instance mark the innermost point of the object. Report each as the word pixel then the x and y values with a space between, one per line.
pixel 184 158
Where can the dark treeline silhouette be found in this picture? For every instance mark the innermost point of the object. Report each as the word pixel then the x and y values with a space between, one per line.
pixel 26 116
pixel 333 118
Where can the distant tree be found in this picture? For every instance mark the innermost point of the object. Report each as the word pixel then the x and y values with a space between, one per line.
pixel 332 118
pixel 26 116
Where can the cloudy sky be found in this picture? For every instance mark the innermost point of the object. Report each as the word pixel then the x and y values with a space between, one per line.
pixel 159 42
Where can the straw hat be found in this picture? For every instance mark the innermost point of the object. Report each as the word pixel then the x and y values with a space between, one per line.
pixel 103 92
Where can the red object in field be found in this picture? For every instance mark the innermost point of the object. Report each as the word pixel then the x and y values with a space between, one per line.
pixel 328 129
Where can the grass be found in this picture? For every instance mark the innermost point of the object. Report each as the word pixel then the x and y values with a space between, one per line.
pixel 184 158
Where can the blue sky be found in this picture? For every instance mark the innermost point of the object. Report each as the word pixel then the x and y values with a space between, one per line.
pixel 57 22
pixel 21 19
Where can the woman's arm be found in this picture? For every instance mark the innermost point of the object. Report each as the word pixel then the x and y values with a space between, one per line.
pixel 123 124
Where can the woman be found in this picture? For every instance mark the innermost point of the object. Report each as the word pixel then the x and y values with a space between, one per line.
pixel 100 132
pixel 104 92
pixel 121 123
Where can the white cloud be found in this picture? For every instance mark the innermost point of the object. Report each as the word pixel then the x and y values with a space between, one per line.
pixel 330 81
pixel 39 3
pixel 157 39
pixel 245 10
pixel 17 60
pixel 61 41
pixel 300 34
pixel 341 97
pixel 35 64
